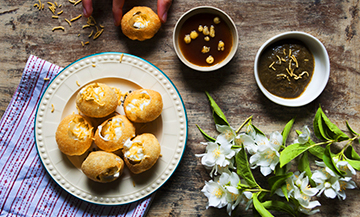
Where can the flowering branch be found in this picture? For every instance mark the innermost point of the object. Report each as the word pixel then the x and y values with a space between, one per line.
pixel 233 155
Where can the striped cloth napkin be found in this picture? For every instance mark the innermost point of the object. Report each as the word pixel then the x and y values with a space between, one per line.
pixel 26 189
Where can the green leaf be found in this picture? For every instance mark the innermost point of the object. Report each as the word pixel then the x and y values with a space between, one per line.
pixel 259 207
pixel 318 125
pixel 327 158
pixel 285 192
pixel 279 206
pixel 332 130
pixel 292 151
pixel 304 165
pixel 351 153
pixel 279 170
pixel 317 151
pixel 206 136
pixel 352 157
pixel 354 163
pixel 350 129
pixel 276 182
pixel 243 168
pixel 218 115
pixel 286 131
pixel 257 130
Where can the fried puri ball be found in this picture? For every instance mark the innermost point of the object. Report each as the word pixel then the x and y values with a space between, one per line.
pixel 113 133
pixel 101 166
pixel 74 135
pixel 141 153
pixel 143 105
pixel 140 23
pixel 97 100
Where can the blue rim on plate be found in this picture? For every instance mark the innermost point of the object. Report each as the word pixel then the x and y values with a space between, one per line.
pixel 171 128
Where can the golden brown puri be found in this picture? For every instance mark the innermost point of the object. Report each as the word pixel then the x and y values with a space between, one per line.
pixel 74 135
pixel 141 153
pixel 140 23
pixel 101 166
pixel 97 100
pixel 113 133
pixel 143 105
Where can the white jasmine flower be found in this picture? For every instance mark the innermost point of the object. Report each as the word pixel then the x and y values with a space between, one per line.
pixel 298 188
pixel 308 210
pixel 276 140
pixel 346 167
pixel 304 137
pixel 246 199
pixel 247 141
pixel 260 140
pixel 230 181
pixel 330 183
pixel 250 131
pixel 215 193
pixel 216 156
pixel 266 157
pixel 226 136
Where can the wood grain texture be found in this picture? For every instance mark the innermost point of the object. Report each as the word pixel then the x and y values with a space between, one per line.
pixel 24 30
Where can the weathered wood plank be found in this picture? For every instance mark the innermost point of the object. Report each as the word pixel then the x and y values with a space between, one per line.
pixel 26 30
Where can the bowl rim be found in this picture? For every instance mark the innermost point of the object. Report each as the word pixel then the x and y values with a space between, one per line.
pixel 228 20
pixel 298 101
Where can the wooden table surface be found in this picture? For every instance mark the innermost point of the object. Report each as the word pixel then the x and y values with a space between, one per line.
pixel 25 30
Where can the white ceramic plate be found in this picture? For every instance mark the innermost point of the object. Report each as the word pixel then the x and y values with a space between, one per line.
pixel 129 74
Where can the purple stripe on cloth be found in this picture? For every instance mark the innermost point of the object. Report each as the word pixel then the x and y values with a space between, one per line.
pixel 26 189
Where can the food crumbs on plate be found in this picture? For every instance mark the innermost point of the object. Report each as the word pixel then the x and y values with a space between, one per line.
pixel 121 57
pixel 78 84
pixel 68 22
pixel 58 28
pixel 52 108
pixel 78 110
pixel 46 79
pixel 76 18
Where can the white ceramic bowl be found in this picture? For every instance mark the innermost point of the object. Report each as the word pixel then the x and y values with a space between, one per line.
pixel 320 76
pixel 223 16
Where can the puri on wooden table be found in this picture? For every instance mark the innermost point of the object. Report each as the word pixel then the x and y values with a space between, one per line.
pixel 26 30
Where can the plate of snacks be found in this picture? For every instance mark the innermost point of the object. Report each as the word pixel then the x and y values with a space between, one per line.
pixel 111 128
